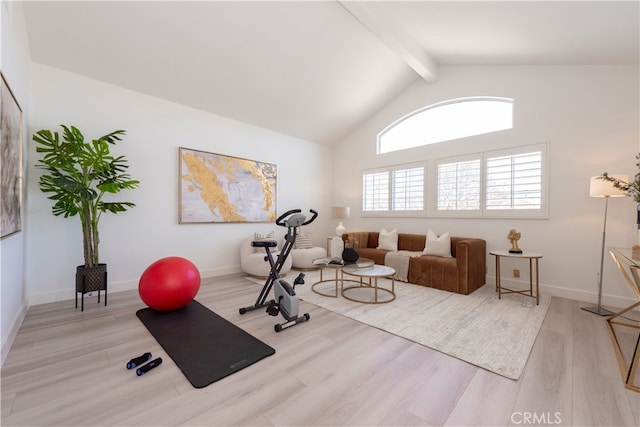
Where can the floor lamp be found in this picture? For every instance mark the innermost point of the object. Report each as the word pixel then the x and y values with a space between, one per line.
pixel 603 188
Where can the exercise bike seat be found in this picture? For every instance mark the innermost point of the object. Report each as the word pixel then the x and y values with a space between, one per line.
pixel 264 243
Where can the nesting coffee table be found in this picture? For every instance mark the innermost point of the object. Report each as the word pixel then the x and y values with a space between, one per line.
pixel 372 273
pixel 338 279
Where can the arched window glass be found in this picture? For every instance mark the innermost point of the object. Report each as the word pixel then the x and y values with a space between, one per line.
pixel 444 121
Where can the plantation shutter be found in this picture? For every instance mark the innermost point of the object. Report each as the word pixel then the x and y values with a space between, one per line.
pixel 375 191
pixel 514 181
pixel 459 185
pixel 408 189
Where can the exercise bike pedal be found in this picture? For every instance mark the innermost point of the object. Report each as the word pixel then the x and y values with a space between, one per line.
pixel 273 309
pixel 299 280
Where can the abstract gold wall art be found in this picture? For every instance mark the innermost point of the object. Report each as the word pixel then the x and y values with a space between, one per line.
pixel 219 188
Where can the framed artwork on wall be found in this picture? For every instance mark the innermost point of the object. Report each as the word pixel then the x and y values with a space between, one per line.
pixel 219 188
pixel 10 161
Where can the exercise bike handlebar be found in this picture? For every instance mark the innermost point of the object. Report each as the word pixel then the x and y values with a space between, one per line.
pixel 314 216
pixel 281 222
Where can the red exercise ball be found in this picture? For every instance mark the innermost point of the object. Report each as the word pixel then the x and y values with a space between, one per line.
pixel 169 284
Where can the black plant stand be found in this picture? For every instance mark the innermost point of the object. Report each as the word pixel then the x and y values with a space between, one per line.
pixel 91 279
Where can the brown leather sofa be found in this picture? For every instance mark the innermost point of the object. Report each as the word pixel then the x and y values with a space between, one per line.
pixel 463 273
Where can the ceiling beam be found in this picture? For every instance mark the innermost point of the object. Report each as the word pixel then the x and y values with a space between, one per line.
pixel 407 49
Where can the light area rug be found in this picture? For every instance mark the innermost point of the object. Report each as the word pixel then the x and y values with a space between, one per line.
pixel 493 334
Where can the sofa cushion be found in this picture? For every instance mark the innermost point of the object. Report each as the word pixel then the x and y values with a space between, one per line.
pixel 411 242
pixel 360 238
pixel 388 240
pixel 435 272
pixel 376 255
pixel 438 245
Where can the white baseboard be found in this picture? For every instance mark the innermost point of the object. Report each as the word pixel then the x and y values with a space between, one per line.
pixel 588 297
pixel 15 327
pixel 68 294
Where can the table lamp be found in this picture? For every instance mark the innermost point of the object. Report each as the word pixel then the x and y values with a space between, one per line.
pixel 340 213
pixel 603 188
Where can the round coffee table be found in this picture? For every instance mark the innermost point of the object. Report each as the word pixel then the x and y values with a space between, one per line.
pixel 361 263
pixel 374 272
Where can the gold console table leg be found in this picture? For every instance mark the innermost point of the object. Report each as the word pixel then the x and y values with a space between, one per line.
pixel 630 372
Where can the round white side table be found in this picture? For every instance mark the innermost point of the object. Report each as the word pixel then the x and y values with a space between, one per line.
pixel 531 256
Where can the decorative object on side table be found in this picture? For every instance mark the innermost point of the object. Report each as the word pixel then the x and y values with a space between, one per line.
pixel 513 237
pixel 340 213
pixel 603 188
pixel 77 174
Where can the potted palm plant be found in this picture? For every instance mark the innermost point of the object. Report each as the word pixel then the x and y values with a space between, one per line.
pixel 77 176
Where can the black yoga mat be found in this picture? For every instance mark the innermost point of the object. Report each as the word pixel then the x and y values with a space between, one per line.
pixel 205 346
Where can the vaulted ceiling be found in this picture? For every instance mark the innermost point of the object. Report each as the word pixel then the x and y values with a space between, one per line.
pixel 315 70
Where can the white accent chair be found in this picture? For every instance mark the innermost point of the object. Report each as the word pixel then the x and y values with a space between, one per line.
pixel 253 262
pixel 303 258
pixel 303 252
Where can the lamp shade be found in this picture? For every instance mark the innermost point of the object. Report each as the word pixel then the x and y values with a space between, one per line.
pixel 340 212
pixel 603 188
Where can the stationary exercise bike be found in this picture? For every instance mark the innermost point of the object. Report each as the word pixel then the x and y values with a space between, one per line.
pixel 286 301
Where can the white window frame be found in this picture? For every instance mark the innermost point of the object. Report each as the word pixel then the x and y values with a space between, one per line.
pixel 483 212
pixel 430 197
pixel 367 176
pixel 543 211
pixel 436 190
pixel 390 211
pixel 436 123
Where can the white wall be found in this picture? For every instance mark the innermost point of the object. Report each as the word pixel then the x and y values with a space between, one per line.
pixel 14 63
pixel 587 114
pixel 155 128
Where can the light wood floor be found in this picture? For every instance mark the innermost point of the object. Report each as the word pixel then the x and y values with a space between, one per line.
pixel 68 368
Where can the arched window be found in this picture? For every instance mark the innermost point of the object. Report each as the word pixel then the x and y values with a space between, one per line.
pixel 444 121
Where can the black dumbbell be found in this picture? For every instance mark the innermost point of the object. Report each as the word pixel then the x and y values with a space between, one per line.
pixel 137 361
pixel 149 366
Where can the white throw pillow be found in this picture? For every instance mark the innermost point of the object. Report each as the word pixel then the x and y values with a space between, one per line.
pixel 304 241
pixel 438 246
pixel 388 239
